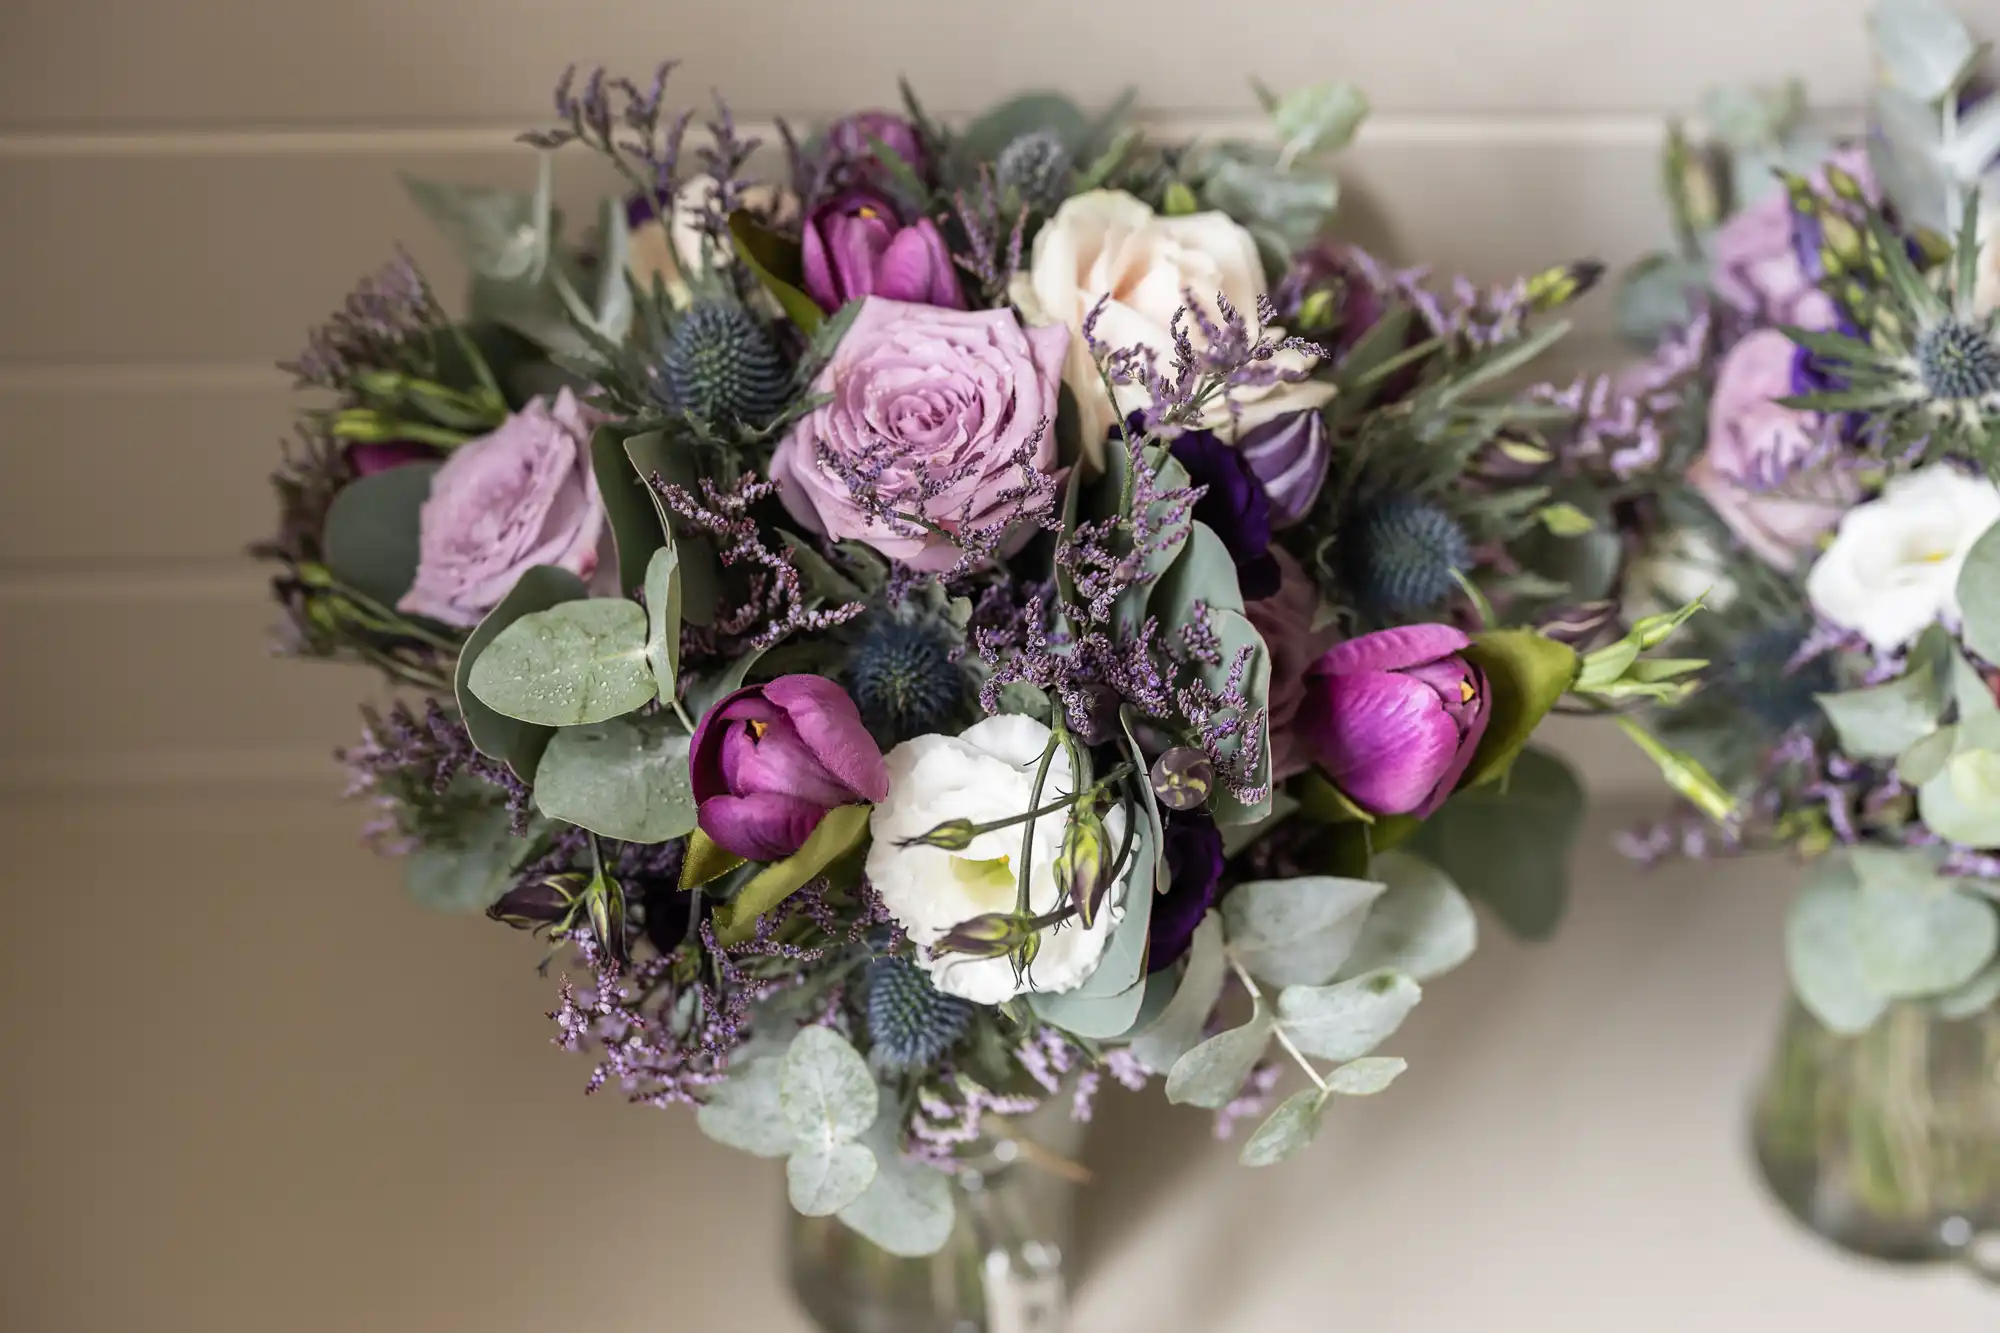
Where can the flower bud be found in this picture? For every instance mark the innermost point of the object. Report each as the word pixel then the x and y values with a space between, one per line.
pixel 543 902
pixel 954 835
pixel 992 935
pixel 604 900
pixel 1183 777
pixel 1579 624
pixel 1556 287
pixel 1318 311
pixel 1179 200
pixel 1083 867
pixel 1690 781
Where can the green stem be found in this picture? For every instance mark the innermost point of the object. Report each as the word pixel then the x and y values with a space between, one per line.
pixel 1298 1056
pixel 1035 799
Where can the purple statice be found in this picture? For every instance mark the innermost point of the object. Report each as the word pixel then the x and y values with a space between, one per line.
pixel 952 1113
pixel 777 603
pixel 1108 558
pixel 1234 354
pixel 1623 422
pixel 384 324
pixel 410 768
pixel 991 254
pixel 1251 1102
pixel 1465 313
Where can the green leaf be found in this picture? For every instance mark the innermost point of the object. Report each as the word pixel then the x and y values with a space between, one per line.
pixel 1924 46
pixel 1366 1077
pixel 1658 294
pixel 1320 118
pixel 1212 1073
pixel 626 779
pixel 1178 1029
pixel 1978 595
pixel 636 525
pixel 494 734
pixel 469 873
pixel 822 579
pixel 742 1111
pixel 1974 997
pixel 371 531
pixel 701 573
pixel 1882 721
pixel 708 690
pixel 1422 926
pixel 1926 758
pixel 908 1210
pixel 1285 210
pixel 824 1089
pixel 1508 846
pixel 705 862
pixel 663 620
pixel 1822 950
pixel 774 262
pixel 843 829
pixel 1286 1130
pixel 1204 572
pixel 1918 936
pixel 574 663
pixel 1297 931
pixel 1348 1019
pixel 826 1175
pixel 1961 803
pixel 500 234
pixel 1098 1017
pixel 1526 674
pixel 982 140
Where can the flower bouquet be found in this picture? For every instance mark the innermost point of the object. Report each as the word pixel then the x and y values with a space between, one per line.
pixel 1000 609
pixel 1837 453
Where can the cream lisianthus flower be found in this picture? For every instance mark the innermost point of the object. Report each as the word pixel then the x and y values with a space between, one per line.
pixel 1106 245
pixel 985 773
pixel 1893 567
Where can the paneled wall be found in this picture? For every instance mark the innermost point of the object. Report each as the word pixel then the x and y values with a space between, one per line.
pixel 185 187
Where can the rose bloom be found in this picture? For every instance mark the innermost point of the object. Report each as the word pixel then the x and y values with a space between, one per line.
pixel 1106 245
pixel 1751 472
pixel 1892 570
pixel 934 412
pixel 503 503
pixel 985 773
pixel 1759 269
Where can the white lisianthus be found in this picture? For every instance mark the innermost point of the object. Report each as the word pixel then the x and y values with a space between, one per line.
pixel 1107 244
pixel 1892 570
pixel 984 774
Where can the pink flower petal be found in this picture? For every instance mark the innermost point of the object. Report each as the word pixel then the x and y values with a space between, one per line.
pixel 830 725
pixel 1392 649
pixel 764 827
pixel 1384 740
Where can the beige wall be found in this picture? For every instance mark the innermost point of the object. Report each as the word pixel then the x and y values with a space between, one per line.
pixel 246 1088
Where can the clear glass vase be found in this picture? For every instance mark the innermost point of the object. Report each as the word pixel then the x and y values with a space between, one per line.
pixel 1887 1143
pixel 1004 1270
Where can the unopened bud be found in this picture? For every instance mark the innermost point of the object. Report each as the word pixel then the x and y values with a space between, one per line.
pixel 954 835
pixel 542 902
pixel 1318 311
pixel 1559 286
pixel 1844 186
pixel 1179 200
pixel 1690 781
pixel 992 935
pixel 1183 777
pixel 605 901
pixel 1083 867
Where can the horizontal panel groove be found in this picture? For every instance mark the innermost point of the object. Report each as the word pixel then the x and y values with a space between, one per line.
pixel 204 583
pixel 295 767
pixel 28 377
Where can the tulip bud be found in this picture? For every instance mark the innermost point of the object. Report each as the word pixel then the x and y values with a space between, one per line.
pixel 548 901
pixel 954 835
pixel 991 935
pixel 1182 778
pixel 1083 867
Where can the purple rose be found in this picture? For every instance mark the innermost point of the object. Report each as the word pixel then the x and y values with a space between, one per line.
pixel 1393 717
pixel 932 412
pixel 855 245
pixel 368 458
pixel 1194 882
pixel 522 496
pixel 1234 505
pixel 849 140
pixel 769 761
pixel 1289 456
pixel 1766 256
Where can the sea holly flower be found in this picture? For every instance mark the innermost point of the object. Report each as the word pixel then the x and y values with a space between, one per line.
pixel 1892 570
pixel 962 907
pixel 769 761
pixel 1394 717
pixel 855 245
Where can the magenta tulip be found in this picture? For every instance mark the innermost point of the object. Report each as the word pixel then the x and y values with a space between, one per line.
pixel 1394 717
pixel 855 245
pixel 770 760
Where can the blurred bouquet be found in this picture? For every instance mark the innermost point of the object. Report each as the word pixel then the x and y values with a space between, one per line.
pixel 994 610
pixel 1832 313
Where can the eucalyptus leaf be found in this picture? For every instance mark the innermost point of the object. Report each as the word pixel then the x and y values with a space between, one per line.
pixel 613 307
pixel 626 779
pixel 1178 1030
pixel 636 530
pixel 1917 935
pixel 1348 1019
pixel 494 734
pixel 1286 1130
pixel 843 829
pixel 1924 45
pixel 1882 721
pixel 575 663
pixel 663 619
pixel 1961 803
pixel 1422 926
pixel 1204 572
pixel 705 691
pixel 742 1111
pixel 1659 295
pixel 1509 845
pixel 824 1176
pixel 1979 596
pixel 1823 953
pixel 1926 758
pixel 1285 210
pixel 1319 118
pixel 1367 1076
pixel 824 1089
pixel 1098 1017
pixel 1213 1073
pixel 469 872
pixel 1297 931
pixel 372 529
pixel 908 1208
pixel 500 234
pixel 1974 997
pixel 1028 113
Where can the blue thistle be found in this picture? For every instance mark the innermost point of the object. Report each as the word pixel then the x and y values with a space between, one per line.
pixel 1958 360
pixel 1403 555
pixel 721 365
pixel 911 1023
pixel 1038 166
pixel 1755 678
pixel 904 680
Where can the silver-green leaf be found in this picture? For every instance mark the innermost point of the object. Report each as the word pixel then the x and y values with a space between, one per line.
pixel 1882 721
pixel 1178 1030
pixel 742 1111
pixel 1979 596
pixel 1917 934
pixel 1367 1076
pixel 1422 926
pixel 1822 950
pixel 1297 931
pixel 825 1089
pixel 663 618
pixel 572 664
pixel 626 779
pixel 1924 46
pixel 1212 1073
pixel 499 234
pixel 1286 1130
pixel 1347 1020
pixel 825 1176
pixel 908 1209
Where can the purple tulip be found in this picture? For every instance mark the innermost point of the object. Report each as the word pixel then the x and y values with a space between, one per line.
pixel 1393 717
pixel 849 140
pixel 770 760
pixel 856 245
pixel 1289 456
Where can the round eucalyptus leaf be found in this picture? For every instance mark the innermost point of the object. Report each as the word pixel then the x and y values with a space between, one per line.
pixel 825 1176
pixel 825 1089
pixel 572 664
pixel 519 744
pixel 1212 1073
pixel 742 1111
pixel 372 530
pixel 471 874
pixel 1422 926
pixel 1286 1130
pixel 1348 1019
pixel 1979 596
pixel 624 779
pixel 1508 844
pixel 1822 950
pixel 1297 931
pixel 908 1209
pixel 1367 1076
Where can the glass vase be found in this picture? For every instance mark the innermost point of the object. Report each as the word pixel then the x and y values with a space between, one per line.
pixel 1887 1143
pixel 1004 1270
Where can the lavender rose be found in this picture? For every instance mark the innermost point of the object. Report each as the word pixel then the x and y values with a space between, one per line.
pixel 1764 263
pixel 1394 717
pixel 522 496
pixel 935 413
pixel 769 761
pixel 856 246
pixel 1758 470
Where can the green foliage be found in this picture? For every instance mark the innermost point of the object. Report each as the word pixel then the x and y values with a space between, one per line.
pixel 1882 721
pixel 842 832
pixel 626 778
pixel 1924 46
pixel 371 531
pixel 636 525
pixel 499 234
pixel 1348 1019
pixel 663 620
pixel 1367 1076
pixel 1320 118
pixel 470 872
pixel 828 1099
pixel 1658 295
pixel 1212 1073
pixel 1179 1027
pixel 497 736
pixel 1422 924
pixel 1508 845
pixel 1297 931
pixel 705 862
pixel 1526 674
pixel 1979 596
pixel 774 262
pixel 907 1209
pixel 574 663
pixel 1286 1131
pixel 743 1110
